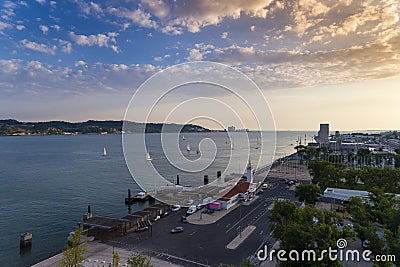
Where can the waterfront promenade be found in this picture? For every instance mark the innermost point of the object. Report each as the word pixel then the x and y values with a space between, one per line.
pixel 100 255
pixel 205 238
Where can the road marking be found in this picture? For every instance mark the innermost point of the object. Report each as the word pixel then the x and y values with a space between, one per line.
pixel 186 260
pixel 227 225
pixel 233 226
pixel 193 233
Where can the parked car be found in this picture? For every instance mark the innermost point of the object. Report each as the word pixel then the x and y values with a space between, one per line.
pixel 184 219
pixel 156 218
pixel 199 207
pixel 265 186
pixel 192 209
pixel 177 229
pixel 175 207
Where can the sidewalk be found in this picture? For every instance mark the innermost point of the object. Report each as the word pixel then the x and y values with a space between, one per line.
pixel 200 218
pixel 100 254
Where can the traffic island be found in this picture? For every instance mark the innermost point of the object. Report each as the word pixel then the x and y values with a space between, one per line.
pixel 238 240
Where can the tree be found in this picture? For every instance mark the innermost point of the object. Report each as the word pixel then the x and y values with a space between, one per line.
pixel 74 251
pixel 305 229
pixel 138 260
pixel 282 213
pixel 308 193
pixel 363 152
pixel 379 215
pixel 246 263
pixel 115 261
pixel 324 173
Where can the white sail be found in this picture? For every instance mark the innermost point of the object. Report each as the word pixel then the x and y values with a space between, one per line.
pixel 188 147
pixel 104 152
pixel 148 157
pixel 183 137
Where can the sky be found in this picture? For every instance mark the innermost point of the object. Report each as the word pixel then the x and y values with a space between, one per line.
pixel 335 61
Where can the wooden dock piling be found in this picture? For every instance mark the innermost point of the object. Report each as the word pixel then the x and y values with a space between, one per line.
pixel 25 240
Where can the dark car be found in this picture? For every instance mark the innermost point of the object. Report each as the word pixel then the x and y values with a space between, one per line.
pixel 184 219
pixel 177 229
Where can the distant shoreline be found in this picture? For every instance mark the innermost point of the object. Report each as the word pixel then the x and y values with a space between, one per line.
pixel 11 127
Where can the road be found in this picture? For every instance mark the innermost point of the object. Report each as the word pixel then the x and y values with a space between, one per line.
pixel 204 245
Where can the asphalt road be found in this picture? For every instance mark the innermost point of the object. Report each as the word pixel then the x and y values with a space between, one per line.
pixel 204 245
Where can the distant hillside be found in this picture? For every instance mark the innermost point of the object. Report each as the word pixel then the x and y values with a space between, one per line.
pixel 14 127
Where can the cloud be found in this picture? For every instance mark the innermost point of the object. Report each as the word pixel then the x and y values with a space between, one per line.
pixel 172 30
pixel 197 14
pixel 35 77
pixel 20 27
pixel 174 17
pixel 157 7
pixel 7 10
pixel 115 49
pixel 9 66
pixel 38 47
pixel 137 16
pixel 200 51
pixel 195 54
pixel 66 47
pixel 44 29
pixel 4 26
pixel 101 40
pixel 280 68
pixel 80 63
pixel 56 27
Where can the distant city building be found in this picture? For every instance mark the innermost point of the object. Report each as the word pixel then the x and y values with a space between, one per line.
pixel 231 129
pixel 323 134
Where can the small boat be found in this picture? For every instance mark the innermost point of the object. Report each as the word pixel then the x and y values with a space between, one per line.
pixel 148 157
pixel 183 137
pixel 139 197
pixel 188 147
pixel 104 152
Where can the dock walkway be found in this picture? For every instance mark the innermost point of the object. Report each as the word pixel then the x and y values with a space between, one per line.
pixel 100 254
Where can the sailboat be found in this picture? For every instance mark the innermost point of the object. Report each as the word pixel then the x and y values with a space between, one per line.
pixel 258 143
pixel 104 152
pixel 188 147
pixel 148 157
pixel 183 137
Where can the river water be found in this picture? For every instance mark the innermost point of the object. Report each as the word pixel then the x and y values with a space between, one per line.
pixel 46 183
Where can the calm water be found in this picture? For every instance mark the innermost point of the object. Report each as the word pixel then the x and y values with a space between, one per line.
pixel 46 183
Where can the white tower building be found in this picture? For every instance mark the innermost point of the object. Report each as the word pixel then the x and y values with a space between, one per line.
pixel 249 173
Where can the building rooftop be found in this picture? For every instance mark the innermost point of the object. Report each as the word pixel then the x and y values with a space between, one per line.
pixel 104 222
pixel 241 187
pixel 345 194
